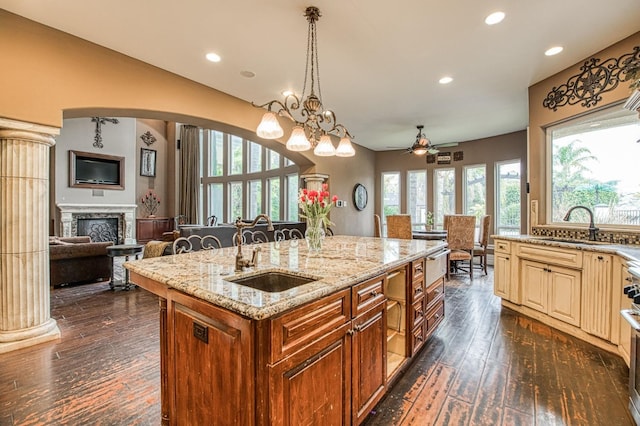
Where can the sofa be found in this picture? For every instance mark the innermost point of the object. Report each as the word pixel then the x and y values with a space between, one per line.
pixel 77 260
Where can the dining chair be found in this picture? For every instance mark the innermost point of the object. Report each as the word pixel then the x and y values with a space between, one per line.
pixel 460 237
pixel 181 219
pixel 377 226
pixel 212 220
pixel 399 226
pixel 480 250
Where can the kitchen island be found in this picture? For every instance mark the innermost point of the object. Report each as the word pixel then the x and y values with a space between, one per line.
pixel 322 352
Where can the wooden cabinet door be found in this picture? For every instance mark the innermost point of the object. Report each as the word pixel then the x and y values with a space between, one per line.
pixel 313 386
pixel 501 276
pixel 211 373
pixel 534 285
pixel 564 294
pixel 369 365
pixel 596 294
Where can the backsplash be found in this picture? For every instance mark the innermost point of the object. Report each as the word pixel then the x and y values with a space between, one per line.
pixel 605 236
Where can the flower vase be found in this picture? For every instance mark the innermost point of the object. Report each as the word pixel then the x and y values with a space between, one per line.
pixel 314 235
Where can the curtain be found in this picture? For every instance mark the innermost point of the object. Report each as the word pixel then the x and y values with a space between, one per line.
pixel 189 173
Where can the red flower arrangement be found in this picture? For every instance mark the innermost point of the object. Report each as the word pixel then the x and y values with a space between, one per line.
pixel 316 204
pixel 151 202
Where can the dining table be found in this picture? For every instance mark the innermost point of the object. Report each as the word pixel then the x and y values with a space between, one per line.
pixel 429 235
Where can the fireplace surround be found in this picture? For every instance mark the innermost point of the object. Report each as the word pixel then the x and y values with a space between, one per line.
pixel 99 220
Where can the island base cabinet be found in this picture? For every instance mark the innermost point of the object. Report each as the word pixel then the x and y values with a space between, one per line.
pixel 211 372
pixel 312 386
pixel 369 371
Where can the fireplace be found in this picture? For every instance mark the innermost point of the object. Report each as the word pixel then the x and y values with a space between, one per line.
pixel 101 222
pixel 100 229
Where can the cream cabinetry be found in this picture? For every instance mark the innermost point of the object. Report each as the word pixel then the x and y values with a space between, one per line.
pixel 597 294
pixel 621 328
pixel 551 289
pixel 502 269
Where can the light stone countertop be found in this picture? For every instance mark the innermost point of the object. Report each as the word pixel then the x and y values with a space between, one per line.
pixel 343 261
pixel 629 252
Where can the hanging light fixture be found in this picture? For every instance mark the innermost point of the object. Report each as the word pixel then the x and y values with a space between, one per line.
pixel 422 145
pixel 314 125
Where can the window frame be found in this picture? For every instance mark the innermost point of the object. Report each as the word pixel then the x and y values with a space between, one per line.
pixel 436 223
pixel 496 191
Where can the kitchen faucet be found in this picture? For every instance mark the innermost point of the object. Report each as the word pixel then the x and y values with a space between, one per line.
pixel 241 262
pixel 592 226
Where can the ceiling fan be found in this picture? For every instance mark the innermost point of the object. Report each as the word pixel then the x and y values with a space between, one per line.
pixel 422 145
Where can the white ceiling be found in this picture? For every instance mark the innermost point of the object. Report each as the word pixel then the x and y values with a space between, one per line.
pixel 379 61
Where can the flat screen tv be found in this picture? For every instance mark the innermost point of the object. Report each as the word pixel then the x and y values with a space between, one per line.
pixel 91 170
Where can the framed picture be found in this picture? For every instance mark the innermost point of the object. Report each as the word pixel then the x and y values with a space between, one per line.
pixel 360 197
pixel 147 162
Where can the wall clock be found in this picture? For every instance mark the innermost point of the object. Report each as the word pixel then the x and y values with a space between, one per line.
pixel 360 196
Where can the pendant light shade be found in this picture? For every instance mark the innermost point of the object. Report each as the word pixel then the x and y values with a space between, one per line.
pixel 345 149
pixel 298 140
pixel 325 147
pixel 269 128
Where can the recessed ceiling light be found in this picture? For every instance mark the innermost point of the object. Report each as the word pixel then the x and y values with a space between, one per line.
pixel 213 57
pixel 494 18
pixel 247 74
pixel 553 51
pixel 286 93
pixel 445 80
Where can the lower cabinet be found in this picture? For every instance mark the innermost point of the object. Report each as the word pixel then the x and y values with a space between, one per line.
pixel 597 294
pixel 553 290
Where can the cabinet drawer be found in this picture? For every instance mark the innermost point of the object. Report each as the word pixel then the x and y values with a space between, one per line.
pixel 502 246
pixel 435 291
pixel 366 295
pixel 435 316
pixel 436 266
pixel 568 257
pixel 417 313
pixel 296 329
pixel 417 339
pixel 417 268
pixel 417 290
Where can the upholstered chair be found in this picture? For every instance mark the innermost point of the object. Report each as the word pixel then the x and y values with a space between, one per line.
pixel 399 226
pixel 480 249
pixel 460 237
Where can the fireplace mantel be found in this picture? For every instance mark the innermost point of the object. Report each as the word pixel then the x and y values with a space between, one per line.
pixel 69 212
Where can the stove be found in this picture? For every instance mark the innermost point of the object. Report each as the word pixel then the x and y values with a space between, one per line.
pixel 633 318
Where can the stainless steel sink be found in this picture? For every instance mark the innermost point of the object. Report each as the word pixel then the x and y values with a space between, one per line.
pixel 273 282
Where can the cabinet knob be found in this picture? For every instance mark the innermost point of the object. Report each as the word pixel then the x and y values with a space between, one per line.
pixel 600 258
pixel 420 338
pixel 436 316
pixel 350 332
pixel 628 279
pixel 420 313
pixel 374 293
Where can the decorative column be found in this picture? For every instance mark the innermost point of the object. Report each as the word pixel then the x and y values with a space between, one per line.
pixel 314 180
pixel 25 312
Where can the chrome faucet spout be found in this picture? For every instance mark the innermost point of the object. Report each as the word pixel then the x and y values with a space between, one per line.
pixel 592 227
pixel 241 262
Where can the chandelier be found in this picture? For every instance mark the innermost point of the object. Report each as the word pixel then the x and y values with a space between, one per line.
pixel 422 145
pixel 314 124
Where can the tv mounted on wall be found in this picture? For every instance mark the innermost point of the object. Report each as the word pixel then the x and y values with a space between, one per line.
pixel 91 170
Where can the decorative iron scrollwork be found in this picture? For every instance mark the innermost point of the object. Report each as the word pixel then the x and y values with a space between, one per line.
pixel 595 78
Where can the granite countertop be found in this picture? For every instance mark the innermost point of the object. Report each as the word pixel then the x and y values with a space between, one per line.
pixel 629 252
pixel 343 261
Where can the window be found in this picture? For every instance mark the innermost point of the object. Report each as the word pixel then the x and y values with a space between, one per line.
pixel 215 200
pixel 594 163
pixel 255 158
pixel 390 197
pixel 227 192
pixel 273 194
pixel 444 181
pixel 508 196
pixel 292 197
pixel 235 156
pixel 254 198
pixel 235 200
pixel 475 192
pixel 417 197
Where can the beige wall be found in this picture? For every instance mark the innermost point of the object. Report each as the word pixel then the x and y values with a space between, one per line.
pixel 48 75
pixel 540 117
pixel 488 151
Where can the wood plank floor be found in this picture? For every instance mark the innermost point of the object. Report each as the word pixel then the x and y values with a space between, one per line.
pixel 484 365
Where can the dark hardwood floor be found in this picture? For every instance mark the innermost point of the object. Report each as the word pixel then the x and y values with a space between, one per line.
pixel 484 365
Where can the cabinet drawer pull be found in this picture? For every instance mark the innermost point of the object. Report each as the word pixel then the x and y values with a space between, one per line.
pixel 420 313
pixel 350 332
pixel 419 290
pixel 374 293
pixel 436 316
pixel 600 258
pixel 628 279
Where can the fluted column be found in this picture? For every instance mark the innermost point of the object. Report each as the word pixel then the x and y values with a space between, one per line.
pixel 25 313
